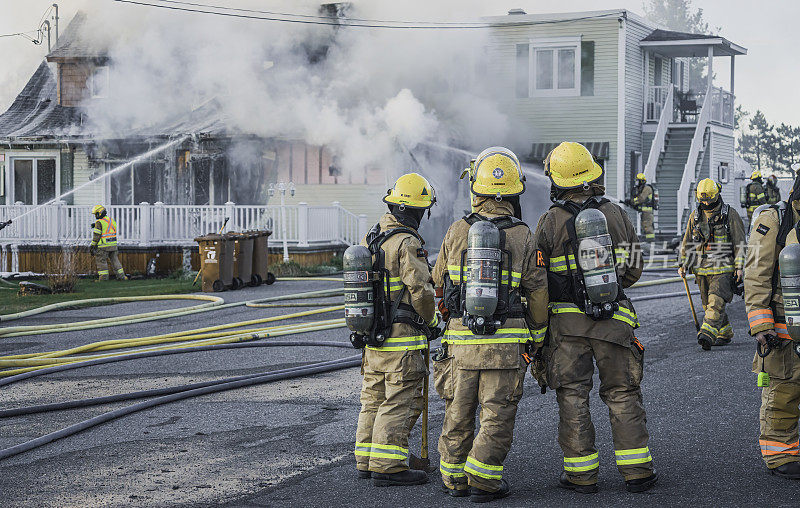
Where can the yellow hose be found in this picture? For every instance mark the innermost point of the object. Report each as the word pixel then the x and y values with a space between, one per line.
pixel 668 280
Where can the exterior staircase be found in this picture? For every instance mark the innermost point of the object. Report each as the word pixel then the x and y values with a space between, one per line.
pixel 669 172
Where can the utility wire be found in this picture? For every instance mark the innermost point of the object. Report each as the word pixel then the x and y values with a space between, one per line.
pixel 342 22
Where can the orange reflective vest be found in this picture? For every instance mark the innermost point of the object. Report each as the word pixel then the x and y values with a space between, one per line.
pixel 108 232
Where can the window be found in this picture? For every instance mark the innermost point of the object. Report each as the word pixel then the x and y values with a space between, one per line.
pixel 34 180
pixel 724 172
pixel 98 83
pixel 587 67
pixel 557 66
pixel 658 69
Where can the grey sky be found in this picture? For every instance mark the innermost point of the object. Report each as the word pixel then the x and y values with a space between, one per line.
pixel 765 78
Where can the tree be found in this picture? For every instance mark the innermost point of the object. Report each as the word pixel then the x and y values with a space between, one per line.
pixel 755 145
pixel 681 16
pixel 740 116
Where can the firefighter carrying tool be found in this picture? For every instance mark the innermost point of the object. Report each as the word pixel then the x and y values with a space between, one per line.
pixel 713 248
pixel 770 303
pixel 104 244
pixel 389 306
pixel 485 265
pixel 581 265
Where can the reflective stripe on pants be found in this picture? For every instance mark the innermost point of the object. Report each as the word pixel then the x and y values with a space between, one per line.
pixel 586 463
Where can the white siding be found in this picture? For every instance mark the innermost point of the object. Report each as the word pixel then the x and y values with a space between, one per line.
pixel 358 199
pixel 91 194
pixel 555 119
pixel 722 151
pixel 634 95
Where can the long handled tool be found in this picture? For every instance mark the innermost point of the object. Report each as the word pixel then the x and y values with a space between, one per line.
pixel 423 463
pixel 201 262
pixel 691 303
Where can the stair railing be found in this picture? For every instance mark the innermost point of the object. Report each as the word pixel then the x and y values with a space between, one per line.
pixel 659 140
pixel 690 167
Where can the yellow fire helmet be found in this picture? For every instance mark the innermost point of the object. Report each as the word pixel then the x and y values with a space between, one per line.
pixel 756 174
pixel 640 176
pixel 570 165
pixel 98 209
pixel 497 173
pixel 411 190
pixel 707 190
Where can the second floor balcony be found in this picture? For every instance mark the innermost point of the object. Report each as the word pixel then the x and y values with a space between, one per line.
pixel 686 105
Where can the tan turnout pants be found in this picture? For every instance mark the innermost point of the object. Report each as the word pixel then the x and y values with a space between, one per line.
pixel 570 370
pixel 780 406
pixel 102 258
pixel 715 293
pixel 648 229
pixel 391 403
pixel 467 458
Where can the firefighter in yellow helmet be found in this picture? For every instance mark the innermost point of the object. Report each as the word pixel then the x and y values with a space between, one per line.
pixel 643 201
pixel 755 195
pixel 480 362
pixel 391 393
pixel 104 244
pixel 713 248
pixel 588 324
pixel 773 229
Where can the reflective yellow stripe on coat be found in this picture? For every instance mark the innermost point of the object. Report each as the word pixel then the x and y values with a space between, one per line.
pixel 402 343
pixel 454 269
pixel 623 314
pixel 502 336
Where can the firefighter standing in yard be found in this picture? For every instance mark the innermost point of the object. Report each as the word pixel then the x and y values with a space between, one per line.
pixel 104 244
pixel 642 202
pixel 484 365
pixel 773 229
pixel 576 339
pixel 713 248
pixel 754 194
pixel 771 190
pixel 391 393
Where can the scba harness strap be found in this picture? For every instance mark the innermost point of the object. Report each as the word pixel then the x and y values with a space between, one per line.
pixel 509 302
pixel 389 312
pixel 571 288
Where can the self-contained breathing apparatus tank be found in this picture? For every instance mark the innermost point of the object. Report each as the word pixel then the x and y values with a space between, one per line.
pixel 596 262
pixel 483 278
pixel 359 293
pixel 743 200
pixel 789 263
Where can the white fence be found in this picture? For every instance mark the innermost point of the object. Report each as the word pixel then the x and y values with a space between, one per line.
pixel 159 224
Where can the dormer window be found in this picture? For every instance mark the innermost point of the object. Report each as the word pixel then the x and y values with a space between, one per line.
pixel 98 83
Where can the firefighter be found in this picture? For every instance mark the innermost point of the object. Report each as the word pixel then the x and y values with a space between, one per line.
pixel 713 248
pixel 481 366
pixel 576 339
pixel 391 392
pixel 772 230
pixel 642 202
pixel 771 190
pixel 104 244
pixel 754 194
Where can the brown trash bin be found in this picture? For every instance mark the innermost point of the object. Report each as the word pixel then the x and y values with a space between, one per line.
pixel 244 258
pixel 261 257
pixel 214 256
pixel 232 240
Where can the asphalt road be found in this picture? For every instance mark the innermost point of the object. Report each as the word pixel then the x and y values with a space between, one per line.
pixel 290 443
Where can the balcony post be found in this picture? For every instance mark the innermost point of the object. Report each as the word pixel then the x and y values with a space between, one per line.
pixel 55 221
pixel 230 212
pixel 158 221
pixel 733 68
pixel 710 68
pixel 144 223
pixel 302 224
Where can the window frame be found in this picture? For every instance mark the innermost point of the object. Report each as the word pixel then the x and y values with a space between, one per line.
pixel 92 91
pixel 11 159
pixel 555 44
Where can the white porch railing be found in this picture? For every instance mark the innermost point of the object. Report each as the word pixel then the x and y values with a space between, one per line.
pixel 722 107
pixel 660 136
pixel 656 102
pixel 691 161
pixel 179 225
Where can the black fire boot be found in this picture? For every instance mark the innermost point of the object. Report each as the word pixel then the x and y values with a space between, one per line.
pixel 789 470
pixel 477 495
pixel 564 483
pixel 462 492
pixel 705 340
pixel 364 475
pixel 722 341
pixel 407 477
pixel 641 484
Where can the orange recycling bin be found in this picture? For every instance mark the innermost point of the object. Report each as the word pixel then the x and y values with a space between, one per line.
pixel 261 257
pixel 215 262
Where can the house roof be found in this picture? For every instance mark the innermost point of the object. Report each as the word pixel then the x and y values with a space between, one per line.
pixel 74 42
pixel 35 112
pixel 209 118
pixel 682 44
pixel 559 17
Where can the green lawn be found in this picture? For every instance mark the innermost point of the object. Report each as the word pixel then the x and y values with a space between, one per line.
pixel 88 288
